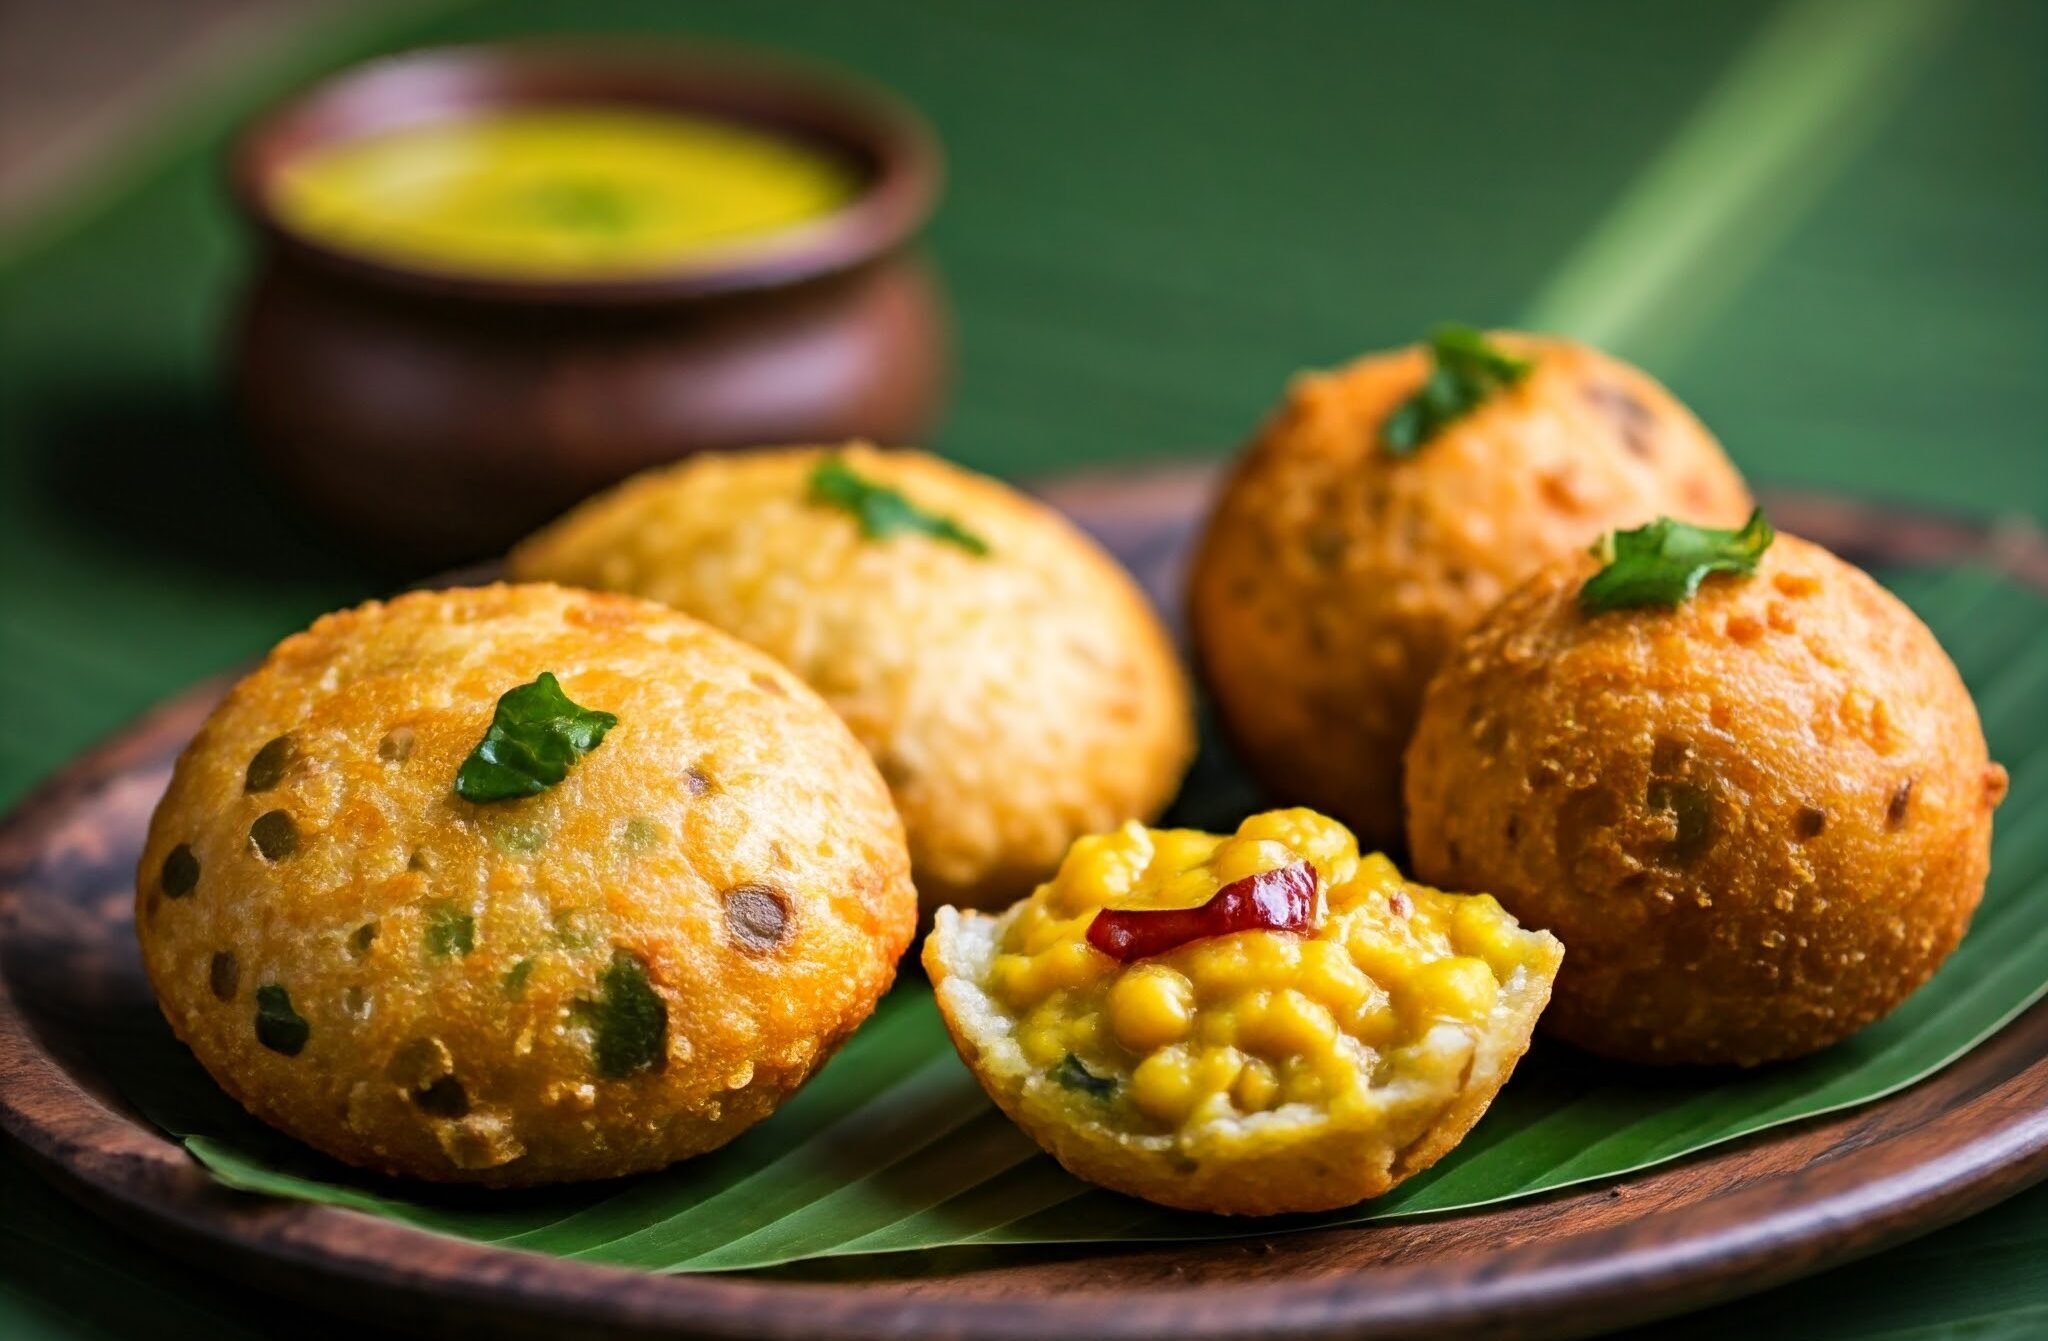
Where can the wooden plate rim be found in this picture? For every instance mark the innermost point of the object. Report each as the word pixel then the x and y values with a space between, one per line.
pixel 1991 1143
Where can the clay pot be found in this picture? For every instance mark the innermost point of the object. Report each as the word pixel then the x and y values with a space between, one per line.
pixel 437 417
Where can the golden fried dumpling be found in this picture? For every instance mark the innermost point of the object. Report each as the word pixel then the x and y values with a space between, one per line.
pixel 1760 817
pixel 519 885
pixel 1013 683
pixel 1339 567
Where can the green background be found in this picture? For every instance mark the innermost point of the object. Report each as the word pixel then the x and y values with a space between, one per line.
pixel 1831 217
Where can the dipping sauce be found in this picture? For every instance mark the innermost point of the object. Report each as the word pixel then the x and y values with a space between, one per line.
pixel 561 192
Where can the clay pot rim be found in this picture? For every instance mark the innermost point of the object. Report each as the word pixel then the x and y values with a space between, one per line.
pixel 881 132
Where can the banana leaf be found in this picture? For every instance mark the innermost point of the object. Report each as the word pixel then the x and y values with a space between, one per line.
pixel 894 1149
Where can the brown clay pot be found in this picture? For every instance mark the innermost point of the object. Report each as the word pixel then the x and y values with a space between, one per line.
pixel 437 417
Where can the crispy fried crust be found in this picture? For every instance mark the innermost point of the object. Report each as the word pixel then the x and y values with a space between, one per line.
pixel 729 836
pixel 1761 820
pixel 1014 701
pixel 1334 577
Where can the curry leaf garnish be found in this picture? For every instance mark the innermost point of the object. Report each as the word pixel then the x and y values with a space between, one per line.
pixel 279 1027
pixel 1468 370
pixel 1073 1073
pixel 535 735
pixel 628 1020
pixel 882 511
pixel 1663 563
pixel 450 930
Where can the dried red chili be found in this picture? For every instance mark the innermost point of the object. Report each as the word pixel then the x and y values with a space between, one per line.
pixel 1282 900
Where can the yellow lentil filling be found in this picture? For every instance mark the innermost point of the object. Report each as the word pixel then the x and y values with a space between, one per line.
pixel 1244 1023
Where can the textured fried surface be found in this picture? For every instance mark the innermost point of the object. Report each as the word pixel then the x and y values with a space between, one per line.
pixel 1255 1073
pixel 729 837
pixel 1760 820
pixel 1334 577
pixel 1013 701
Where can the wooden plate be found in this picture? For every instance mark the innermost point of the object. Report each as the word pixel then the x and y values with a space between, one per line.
pixel 1735 1219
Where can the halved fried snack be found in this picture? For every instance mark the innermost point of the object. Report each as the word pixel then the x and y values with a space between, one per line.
pixel 1254 1024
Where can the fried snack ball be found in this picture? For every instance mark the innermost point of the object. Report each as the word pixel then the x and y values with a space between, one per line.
pixel 1014 699
pixel 1249 1073
pixel 630 967
pixel 1761 819
pixel 1334 576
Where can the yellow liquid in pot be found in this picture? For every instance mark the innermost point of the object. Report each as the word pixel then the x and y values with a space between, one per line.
pixel 560 193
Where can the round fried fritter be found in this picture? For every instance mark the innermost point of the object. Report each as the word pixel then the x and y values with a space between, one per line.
pixel 630 967
pixel 1014 699
pixel 1760 820
pixel 1334 576
pixel 1250 1073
